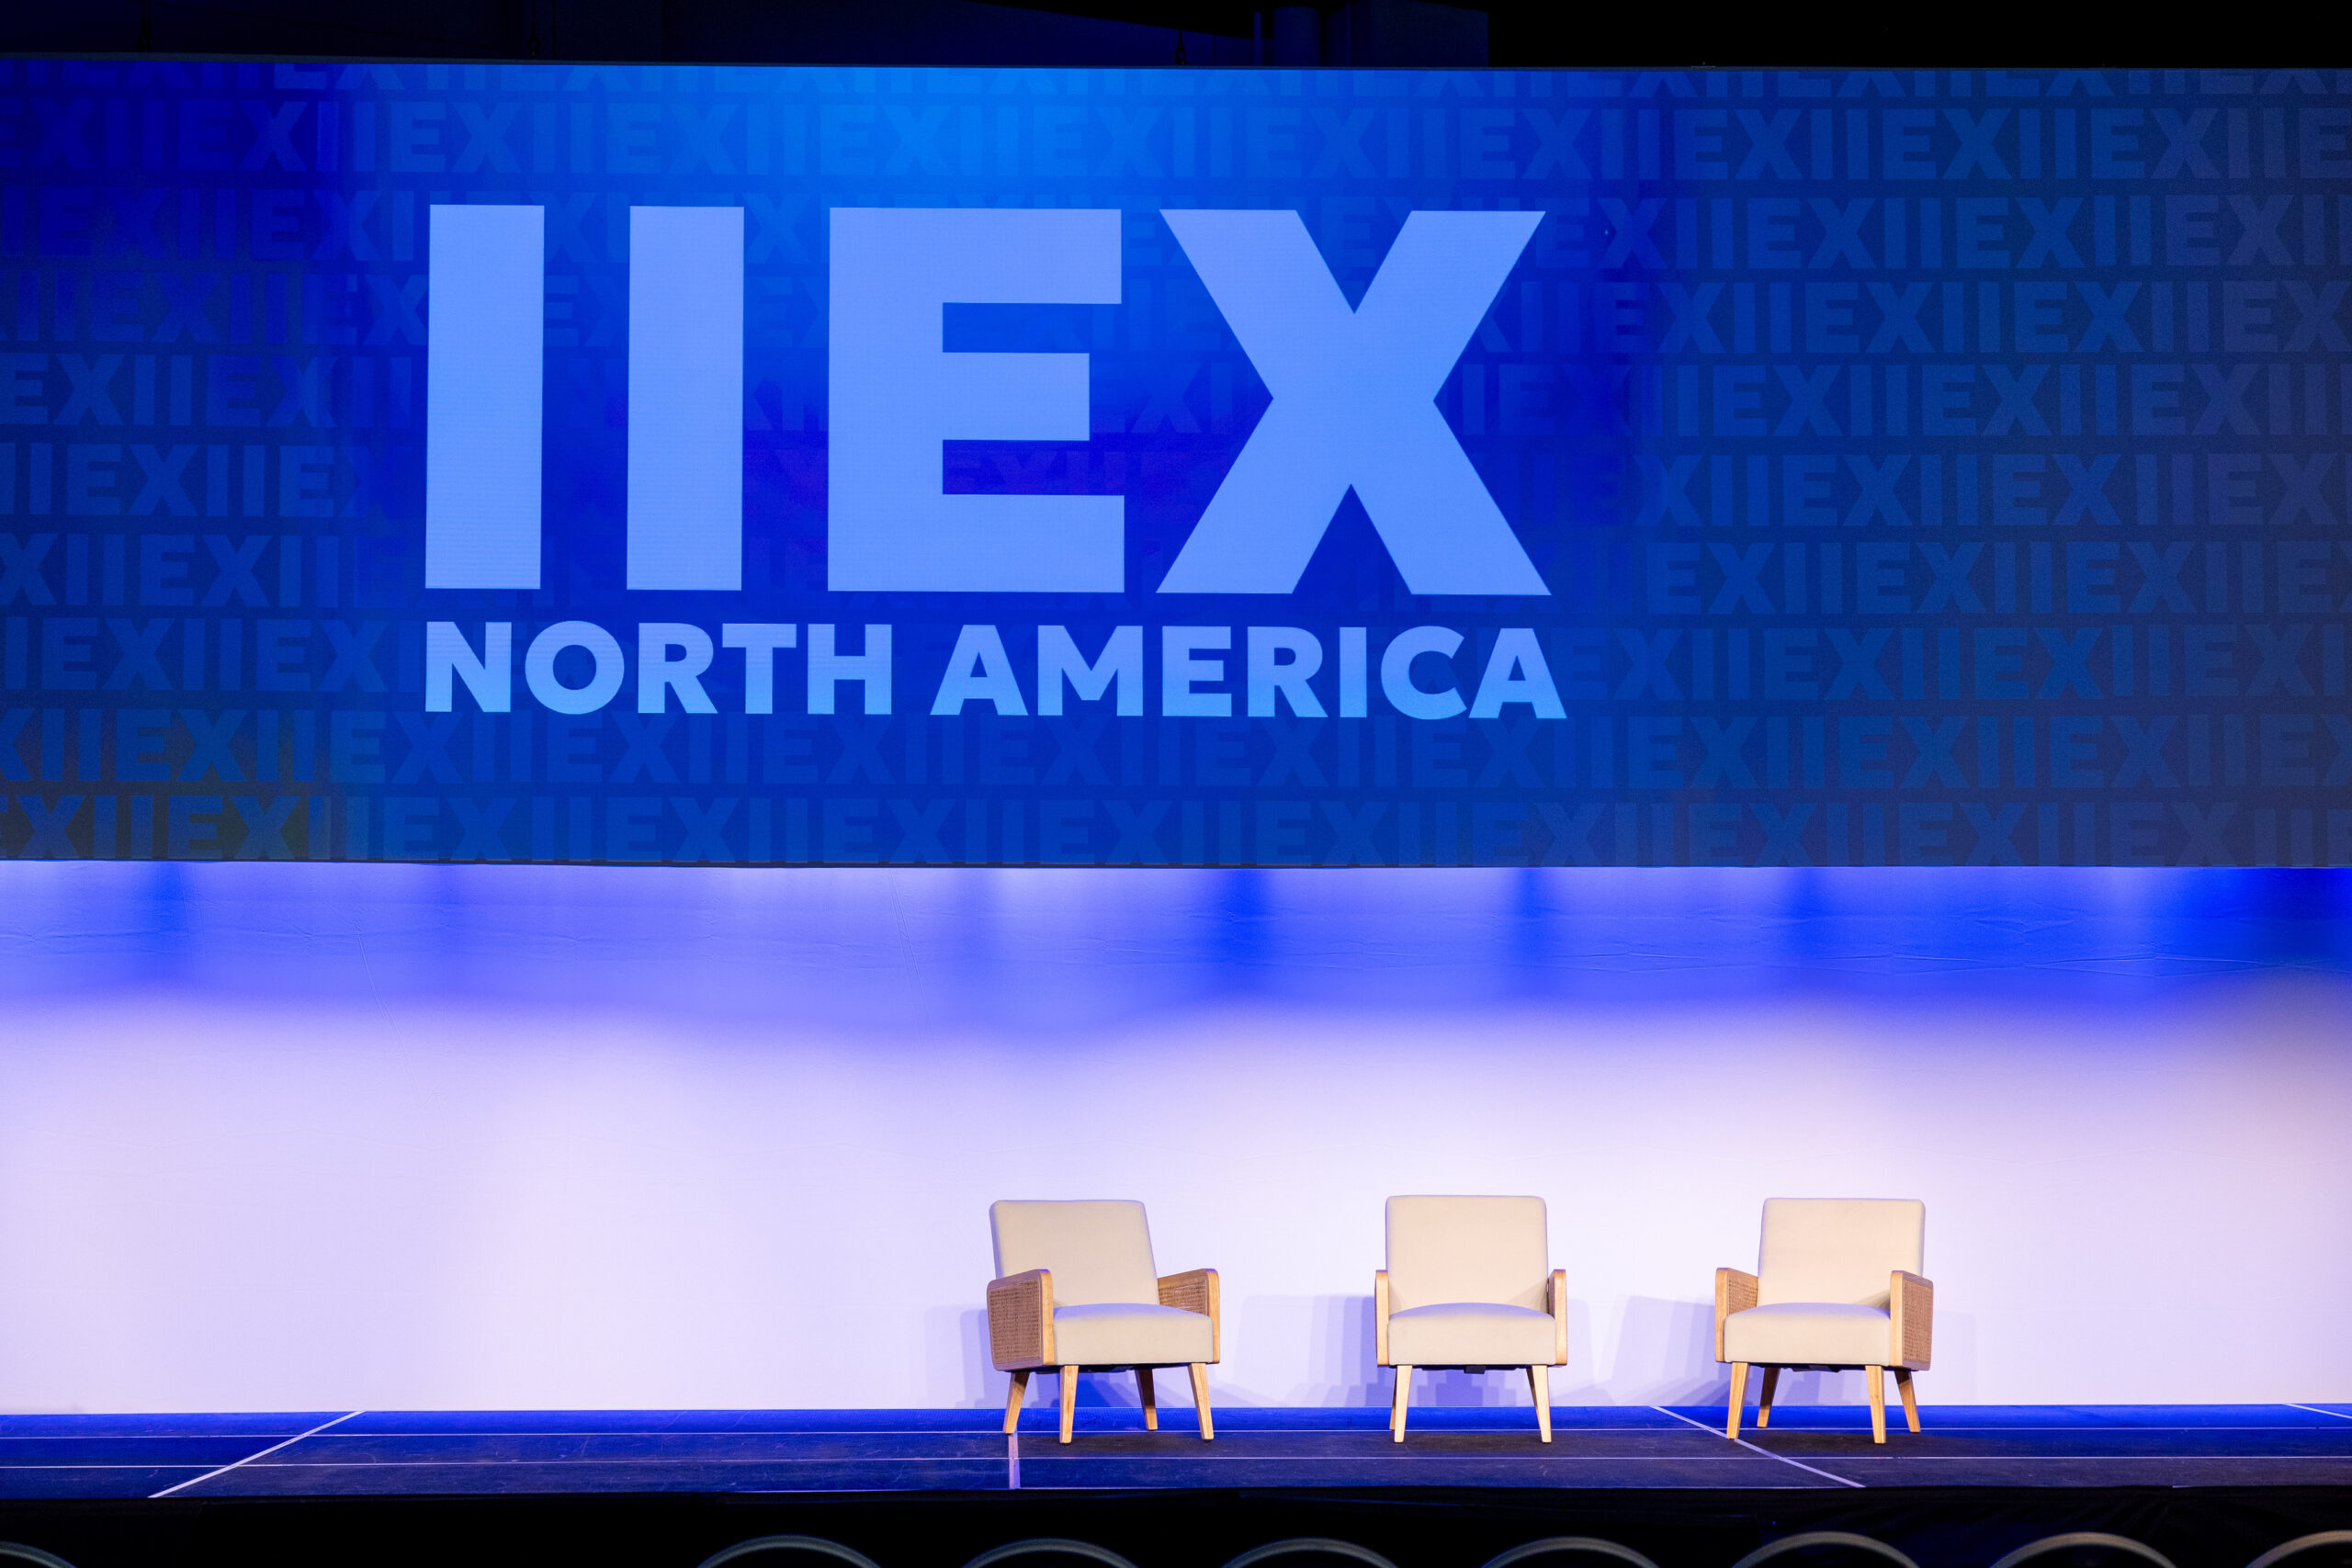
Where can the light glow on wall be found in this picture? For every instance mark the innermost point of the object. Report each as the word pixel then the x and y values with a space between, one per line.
pixel 312 1136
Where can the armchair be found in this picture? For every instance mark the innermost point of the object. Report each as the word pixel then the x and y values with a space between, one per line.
pixel 1467 1287
pixel 1077 1291
pixel 1838 1285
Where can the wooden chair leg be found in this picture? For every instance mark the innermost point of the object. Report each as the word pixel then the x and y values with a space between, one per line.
pixel 1200 1401
pixel 1150 1399
pixel 1878 1403
pixel 1397 1404
pixel 1764 1398
pixel 1012 1398
pixel 1539 1380
pixel 1069 1400
pixel 1910 1399
pixel 1738 1399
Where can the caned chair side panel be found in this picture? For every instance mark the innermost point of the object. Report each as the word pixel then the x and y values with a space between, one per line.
pixel 1021 1311
pixel 1195 1290
pixel 1735 1290
pixel 1188 1291
pixel 1914 1308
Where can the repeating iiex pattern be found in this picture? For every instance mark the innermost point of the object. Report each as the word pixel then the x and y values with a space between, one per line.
pixel 544 462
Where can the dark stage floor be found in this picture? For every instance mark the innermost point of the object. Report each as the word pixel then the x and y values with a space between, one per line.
pixel 414 1453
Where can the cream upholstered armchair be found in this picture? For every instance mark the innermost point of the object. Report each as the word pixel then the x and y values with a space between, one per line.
pixel 1075 1291
pixel 1467 1287
pixel 1837 1285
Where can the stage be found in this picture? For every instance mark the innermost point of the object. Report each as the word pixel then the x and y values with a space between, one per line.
pixel 2205 1484
pixel 474 1453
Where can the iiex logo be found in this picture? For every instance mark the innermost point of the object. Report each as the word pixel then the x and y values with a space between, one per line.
pixel 1352 401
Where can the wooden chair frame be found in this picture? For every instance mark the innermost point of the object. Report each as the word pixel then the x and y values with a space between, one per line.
pixel 1539 1380
pixel 1021 1341
pixel 1911 1309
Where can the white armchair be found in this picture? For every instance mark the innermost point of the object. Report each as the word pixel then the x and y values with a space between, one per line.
pixel 1837 1286
pixel 1468 1288
pixel 1075 1291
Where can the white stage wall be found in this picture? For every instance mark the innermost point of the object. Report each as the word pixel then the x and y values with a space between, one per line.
pixel 297 1137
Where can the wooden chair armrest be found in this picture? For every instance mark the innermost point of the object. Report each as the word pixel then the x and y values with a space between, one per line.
pixel 1558 1293
pixel 1911 1303
pixel 1735 1290
pixel 1380 1317
pixel 1021 1320
pixel 1195 1291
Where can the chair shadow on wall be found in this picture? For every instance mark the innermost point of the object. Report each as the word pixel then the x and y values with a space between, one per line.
pixel 1666 1354
pixel 955 1344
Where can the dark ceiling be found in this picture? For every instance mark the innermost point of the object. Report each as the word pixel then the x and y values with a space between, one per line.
pixel 1519 32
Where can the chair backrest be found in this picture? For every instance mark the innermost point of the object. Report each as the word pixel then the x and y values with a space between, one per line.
pixel 1099 1250
pixel 1837 1249
pixel 1467 1249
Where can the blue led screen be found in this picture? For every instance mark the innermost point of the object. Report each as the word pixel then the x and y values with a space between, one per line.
pixel 700 465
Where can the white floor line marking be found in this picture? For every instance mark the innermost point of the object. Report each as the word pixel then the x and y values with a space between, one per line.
pixel 2317 1411
pixel 1767 1453
pixel 264 1454
pixel 1013 1462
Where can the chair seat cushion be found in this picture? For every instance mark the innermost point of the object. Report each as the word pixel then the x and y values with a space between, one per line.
pixel 1472 1333
pixel 1820 1334
pixel 1130 1334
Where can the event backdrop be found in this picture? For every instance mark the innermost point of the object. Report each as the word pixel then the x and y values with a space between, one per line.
pixel 423 1137
pixel 539 462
